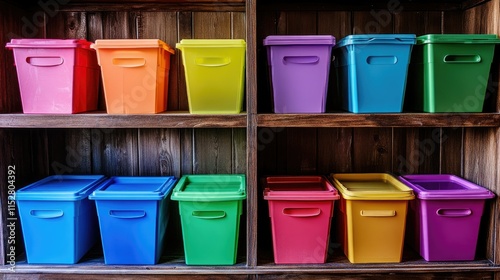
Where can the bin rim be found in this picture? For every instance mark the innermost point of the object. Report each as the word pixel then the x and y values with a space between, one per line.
pixel 131 44
pixel 277 40
pixel 329 192
pixel 48 43
pixel 402 191
pixel 458 39
pixel 211 43
pixel 209 196
pixel 30 192
pixel 469 189
pixel 164 186
pixel 369 39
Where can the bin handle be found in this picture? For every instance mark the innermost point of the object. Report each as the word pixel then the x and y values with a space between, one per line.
pixel 378 213
pixel 301 212
pixel 212 61
pixel 45 61
pixel 465 58
pixel 47 214
pixel 129 62
pixel 308 59
pixel 453 212
pixel 382 60
pixel 209 215
pixel 127 214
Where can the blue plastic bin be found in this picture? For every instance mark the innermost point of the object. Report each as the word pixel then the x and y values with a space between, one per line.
pixel 133 216
pixel 371 71
pixel 59 222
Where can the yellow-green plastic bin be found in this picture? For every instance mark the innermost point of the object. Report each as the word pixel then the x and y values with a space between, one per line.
pixel 210 207
pixel 215 74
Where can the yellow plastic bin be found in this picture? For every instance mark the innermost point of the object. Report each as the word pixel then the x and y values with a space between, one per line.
pixel 371 217
pixel 215 74
pixel 134 74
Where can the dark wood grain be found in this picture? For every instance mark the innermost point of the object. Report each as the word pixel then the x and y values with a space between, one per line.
pixel 159 152
pixel 379 120
pixel 335 150
pixel 372 150
pixel 212 152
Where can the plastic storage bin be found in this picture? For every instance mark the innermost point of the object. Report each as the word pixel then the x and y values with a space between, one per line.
pixel 371 218
pixel 56 76
pixel 299 68
pixel 133 216
pixel 372 70
pixel 301 209
pixel 443 222
pixel 134 74
pixel 59 222
pixel 450 72
pixel 210 207
pixel 215 74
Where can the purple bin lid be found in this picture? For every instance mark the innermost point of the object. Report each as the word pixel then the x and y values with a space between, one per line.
pixel 444 186
pixel 273 40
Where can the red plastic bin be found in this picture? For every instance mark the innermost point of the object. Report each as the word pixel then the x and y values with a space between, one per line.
pixel 56 76
pixel 301 209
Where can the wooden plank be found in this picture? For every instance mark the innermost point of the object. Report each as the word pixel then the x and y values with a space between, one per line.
pixel 212 151
pixel 185 20
pixel 452 151
pixel 114 152
pixel 69 151
pixel 212 25
pixel 373 22
pixel 372 149
pixel 428 276
pixel 453 22
pixel 335 150
pixel 419 23
pixel 301 151
pixel 481 167
pixel 187 163
pixel 119 25
pixel 22 276
pixel 163 26
pixel 159 152
pixel 379 120
pixel 301 23
pixel 239 151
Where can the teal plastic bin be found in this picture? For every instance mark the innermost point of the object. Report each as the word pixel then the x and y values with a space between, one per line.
pixel 59 222
pixel 133 216
pixel 371 71
pixel 210 207
pixel 450 72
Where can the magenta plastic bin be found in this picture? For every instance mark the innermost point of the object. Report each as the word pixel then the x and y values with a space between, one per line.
pixel 301 209
pixel 56 76
pixel 299 68
pixel 443 222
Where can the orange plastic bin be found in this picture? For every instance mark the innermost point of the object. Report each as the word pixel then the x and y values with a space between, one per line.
pixel 301 209
pixel 135 74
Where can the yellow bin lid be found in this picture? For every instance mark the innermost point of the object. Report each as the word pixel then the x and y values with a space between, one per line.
pixel 211 43
pixel 371 186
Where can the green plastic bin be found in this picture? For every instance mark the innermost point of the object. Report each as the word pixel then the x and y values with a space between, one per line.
pixel 449 72
pixel 210 207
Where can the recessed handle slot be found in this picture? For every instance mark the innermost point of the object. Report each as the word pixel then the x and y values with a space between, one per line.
pixel 301 212
pixel 454 212
pixel 378 213
pixel 209 215
pixel 300 59
pixel 127 214
pixel 129 62
pixel 47 214
pixel 45 61
pixel 451 58
pixel 381 60
pixel 213 61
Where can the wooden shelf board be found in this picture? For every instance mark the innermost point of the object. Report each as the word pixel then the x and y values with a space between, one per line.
pixel 103 120
pixel 380 120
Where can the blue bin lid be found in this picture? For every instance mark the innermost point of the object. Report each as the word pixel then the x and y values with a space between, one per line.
pixel 444 186
pixel 388 39
pixel 299 40
pixel 207 188
pixel 60 188
pixel 134 188
pixel 49 43
pixel 458 39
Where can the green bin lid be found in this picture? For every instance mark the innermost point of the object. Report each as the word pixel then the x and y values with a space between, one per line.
pixel 458 39
pixel 205 188
pixel 371 186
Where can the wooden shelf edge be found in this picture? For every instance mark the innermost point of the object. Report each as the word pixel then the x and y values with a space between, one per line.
pixel 380 120
pixel 103 120
pixel 242 269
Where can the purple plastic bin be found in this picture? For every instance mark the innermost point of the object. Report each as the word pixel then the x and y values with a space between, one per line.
pixel 299 67
pixel 443 222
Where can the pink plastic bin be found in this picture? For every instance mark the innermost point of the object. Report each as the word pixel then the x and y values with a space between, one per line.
pixel 56 76
pixel 301 209
pixel 443 222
